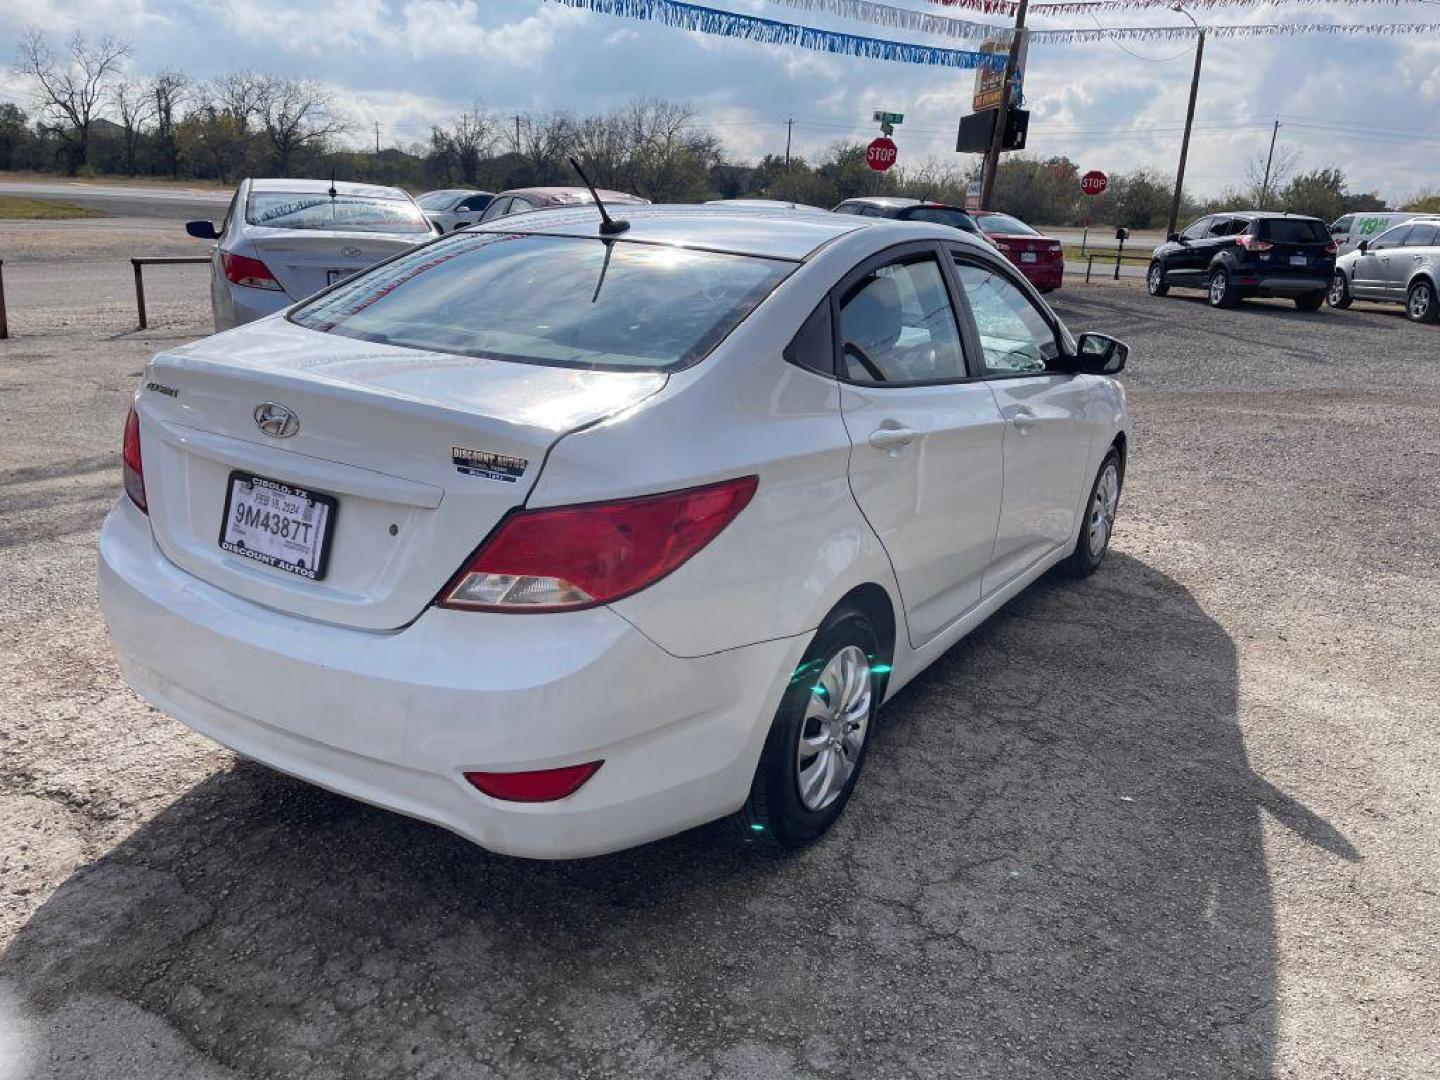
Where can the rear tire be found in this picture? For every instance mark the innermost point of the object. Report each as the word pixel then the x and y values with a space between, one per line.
pixel 1339 294
pixel 1310 301
pixel 816 748
pixel 1097 525
pixel 1219 291
pixel 1420 303
pixel 1155 282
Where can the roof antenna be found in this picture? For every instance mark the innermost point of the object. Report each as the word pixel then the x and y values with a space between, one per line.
pixel 332 192
pixel 608 226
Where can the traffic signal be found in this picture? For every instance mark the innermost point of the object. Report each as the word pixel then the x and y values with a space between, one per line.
pixel 977 129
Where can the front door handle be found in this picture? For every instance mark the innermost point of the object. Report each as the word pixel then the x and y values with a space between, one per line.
pixel 1023 418
pixel 888 438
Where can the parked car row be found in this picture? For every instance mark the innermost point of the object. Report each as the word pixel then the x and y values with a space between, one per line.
pixel 1246 253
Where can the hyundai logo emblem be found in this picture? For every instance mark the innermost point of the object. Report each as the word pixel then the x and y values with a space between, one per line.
pixel 351 252
pixel 276 420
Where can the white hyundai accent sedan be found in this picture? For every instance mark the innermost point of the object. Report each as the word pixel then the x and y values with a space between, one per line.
pixel 566 539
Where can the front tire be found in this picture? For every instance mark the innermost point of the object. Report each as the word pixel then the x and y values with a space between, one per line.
pixel 1310 301
pixel 1420 303
pixel 1339 294
pixel 816 747
pixel 1155 282
pixel 1220 292
pixel 1098 523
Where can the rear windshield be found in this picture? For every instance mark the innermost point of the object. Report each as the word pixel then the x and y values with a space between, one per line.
pixel 1004 223
pixel 438 200
pixel 942 215
pixel 554 300
pixel 1294 230
pixel 344 213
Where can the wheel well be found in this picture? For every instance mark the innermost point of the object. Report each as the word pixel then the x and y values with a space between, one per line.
pixel 873 602
pixel 1427 276
pixel 1120 445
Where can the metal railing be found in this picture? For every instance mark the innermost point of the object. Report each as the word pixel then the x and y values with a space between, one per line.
pixel 139 264
pixel 1118 256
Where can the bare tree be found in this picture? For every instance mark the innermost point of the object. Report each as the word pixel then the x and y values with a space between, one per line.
pixel 169 90
pixel 72 89
pixel 545 144
pixel 239 96
pixel 1256 191
pixel 136 106
pixel 296 113
pixel 461 147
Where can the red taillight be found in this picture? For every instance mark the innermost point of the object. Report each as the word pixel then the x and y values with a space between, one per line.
pixel 570 557
pixel 544 785
pixel 252 273
pixel 133 468
pixel 1253 243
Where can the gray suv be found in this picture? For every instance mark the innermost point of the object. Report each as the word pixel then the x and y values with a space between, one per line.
pixel 1401 266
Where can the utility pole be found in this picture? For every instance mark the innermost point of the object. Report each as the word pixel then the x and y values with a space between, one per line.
pixel 789 127
pixel 517 134
pixel 997 138
pixel 1189 118
pixel 377 138
pixel 1265 187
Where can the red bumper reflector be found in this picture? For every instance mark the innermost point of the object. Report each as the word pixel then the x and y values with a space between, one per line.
pixel 544 785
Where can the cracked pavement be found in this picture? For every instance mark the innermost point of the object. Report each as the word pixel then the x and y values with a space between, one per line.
pixel 1179 819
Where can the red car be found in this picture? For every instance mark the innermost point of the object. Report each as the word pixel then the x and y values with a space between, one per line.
pixel 1039 258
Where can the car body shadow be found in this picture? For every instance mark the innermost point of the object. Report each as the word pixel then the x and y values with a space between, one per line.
pixel 1053 868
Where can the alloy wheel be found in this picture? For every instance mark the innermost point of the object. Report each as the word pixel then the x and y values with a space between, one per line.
pixel 837 718
pixel 1154 281
pixel 1217 287
pixel 1102 509
pixel 1420 301
pixel 1337 291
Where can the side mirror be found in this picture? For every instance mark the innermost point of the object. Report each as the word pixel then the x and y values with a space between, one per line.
pixel 1100 354
pixel 1364 245
pixel 202 230
pixel 1172 238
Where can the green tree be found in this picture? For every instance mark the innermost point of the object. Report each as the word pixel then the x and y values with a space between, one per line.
pixel 1319 193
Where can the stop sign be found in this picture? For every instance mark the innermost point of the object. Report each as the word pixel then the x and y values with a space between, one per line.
pixel 881 154
pixel 1094 182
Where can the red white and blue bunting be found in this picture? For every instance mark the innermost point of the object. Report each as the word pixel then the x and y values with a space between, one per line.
pixel 897 18
pixel 1237 30
pixel 708 20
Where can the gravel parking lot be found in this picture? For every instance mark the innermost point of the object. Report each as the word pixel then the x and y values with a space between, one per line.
pixel 1178 820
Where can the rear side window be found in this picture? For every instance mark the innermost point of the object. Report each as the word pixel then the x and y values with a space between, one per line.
pixel 942 215
pixel 1391 238
pixel 897 326
pixel 1294 231
pixel 343 213
pixel 1421 236
pixel 554 300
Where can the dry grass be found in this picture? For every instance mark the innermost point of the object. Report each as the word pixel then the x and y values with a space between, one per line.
pixel 18 208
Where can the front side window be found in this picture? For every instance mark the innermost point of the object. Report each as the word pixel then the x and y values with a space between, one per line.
pixel 343 213
pixel 554 300
pixel 437 200
pixel 1391 238
pixel 847 208
pixel 1014 337
pixel 1423 235
pixel 897 326
pixel 1341 227
pixel 1229 227
pixel 1198 229
pixel 497 208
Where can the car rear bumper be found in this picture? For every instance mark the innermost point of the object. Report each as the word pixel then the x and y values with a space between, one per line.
pixel 244 305
pixel 1281 284
pixel 395 719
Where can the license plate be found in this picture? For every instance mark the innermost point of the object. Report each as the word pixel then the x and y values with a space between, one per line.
pixel 1028 256
pixel 280 525
pixel 1298 260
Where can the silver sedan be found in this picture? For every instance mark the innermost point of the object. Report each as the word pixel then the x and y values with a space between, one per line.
pixel 284 240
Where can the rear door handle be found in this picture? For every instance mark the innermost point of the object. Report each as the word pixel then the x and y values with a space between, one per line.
pixel 888 438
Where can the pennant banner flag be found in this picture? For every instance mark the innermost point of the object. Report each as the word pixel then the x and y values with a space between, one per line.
pixel 707 20
pixel 1082 7
pixel 896 18
pixel 1240 30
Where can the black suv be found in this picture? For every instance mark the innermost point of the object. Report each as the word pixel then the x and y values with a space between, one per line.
pixel 1247 253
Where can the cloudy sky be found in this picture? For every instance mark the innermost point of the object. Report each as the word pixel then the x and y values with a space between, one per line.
pixel 1367 105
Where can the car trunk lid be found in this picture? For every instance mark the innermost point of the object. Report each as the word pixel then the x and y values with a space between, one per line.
pixel 422 453
pixel 304 262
